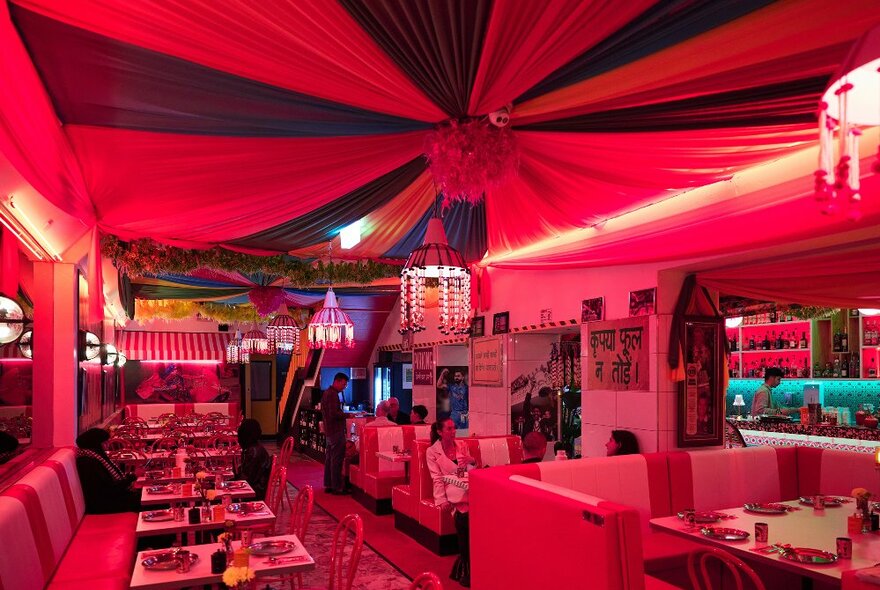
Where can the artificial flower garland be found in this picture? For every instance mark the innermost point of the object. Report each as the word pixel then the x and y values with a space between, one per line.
pixel 148 257
pixel 180 309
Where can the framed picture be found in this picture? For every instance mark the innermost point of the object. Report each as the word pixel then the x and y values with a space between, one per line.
pixel 701 394
pixel 501 323
pixel 642 302
pixel 478 326
pixel 593 310
pixel 407 376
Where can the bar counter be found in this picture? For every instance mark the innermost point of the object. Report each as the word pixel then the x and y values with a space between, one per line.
pixel 820 436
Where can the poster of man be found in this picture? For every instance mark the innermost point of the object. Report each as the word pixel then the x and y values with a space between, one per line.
pixel 533 401
pixel 452 395
pixel 701 406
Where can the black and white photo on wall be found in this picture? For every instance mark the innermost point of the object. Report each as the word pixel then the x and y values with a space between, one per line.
pixel 642 302
pixel 593 310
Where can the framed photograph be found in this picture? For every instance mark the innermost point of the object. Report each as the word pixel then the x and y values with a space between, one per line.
pixel 478 326
pixel 701 394
pixel 407 376
pixel 501 323
pixel 643 302
pixel 593 310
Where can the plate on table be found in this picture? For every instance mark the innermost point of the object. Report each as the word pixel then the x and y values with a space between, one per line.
pixel 245 507
pixel 704 517
pixel 157 515
pixel 233 485
pixel 272 547
pixel 808 556
pixel 830 501
pixel 160 490
pixel 766 508
pixel 166 560
pixel 724 534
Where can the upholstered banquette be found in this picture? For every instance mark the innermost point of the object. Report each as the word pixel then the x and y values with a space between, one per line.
pixel 414 510
pixel 153 411
pixel 49 542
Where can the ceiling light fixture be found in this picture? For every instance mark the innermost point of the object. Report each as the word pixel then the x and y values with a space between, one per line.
pixel 16 221
pixel 331 327
pixel 350 236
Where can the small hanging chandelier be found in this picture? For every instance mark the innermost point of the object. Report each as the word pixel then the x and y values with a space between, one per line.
pixel 283 333
pixel 331 327
pixel 435 259
pixel 233 349
pixel 255 342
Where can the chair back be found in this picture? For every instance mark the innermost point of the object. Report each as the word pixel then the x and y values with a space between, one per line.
pixel 166 444
pixel 118 444
pixel 345 553
pixel 223 441
pixel 426 581
pixel 275 489
pixel 286 451
pixel 135 421
pixel 301 513
pixel 698 569
pixel 733 438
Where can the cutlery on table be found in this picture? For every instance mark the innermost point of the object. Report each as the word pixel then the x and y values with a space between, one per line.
pixel 279 560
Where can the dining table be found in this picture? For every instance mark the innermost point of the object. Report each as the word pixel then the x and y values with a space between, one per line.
pixel 397 457
pixel 168 477
pixel 183 528
pixel 199 574
pixel 155 494
pixel 799 526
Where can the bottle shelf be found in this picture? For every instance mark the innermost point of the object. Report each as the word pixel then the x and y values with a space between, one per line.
pixel 772 351
pixel 791 323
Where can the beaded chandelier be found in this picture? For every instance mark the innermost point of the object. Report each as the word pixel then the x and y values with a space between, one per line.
pixel 255 342
pixel 283 333
pixel 435 259
pixel 331 327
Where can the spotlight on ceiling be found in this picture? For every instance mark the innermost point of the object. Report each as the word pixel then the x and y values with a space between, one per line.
pixel 350 236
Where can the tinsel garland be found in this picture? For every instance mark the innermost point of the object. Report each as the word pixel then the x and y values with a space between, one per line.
pixel 148 257
pixel 178 309
pixel 811 312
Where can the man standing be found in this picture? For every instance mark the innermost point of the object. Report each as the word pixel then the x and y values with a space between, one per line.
pixel 334 433
pixel 762 403
pixel 394 413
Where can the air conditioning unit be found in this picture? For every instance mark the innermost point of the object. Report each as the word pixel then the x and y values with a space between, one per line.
pixel 358 372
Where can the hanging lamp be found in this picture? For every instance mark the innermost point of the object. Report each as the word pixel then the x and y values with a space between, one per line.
pixel 283 333
pixel 435 259
pixel 331 327
pixel 255 342
pixel 233 349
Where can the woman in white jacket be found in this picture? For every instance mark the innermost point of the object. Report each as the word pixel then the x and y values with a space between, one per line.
pixel 444 457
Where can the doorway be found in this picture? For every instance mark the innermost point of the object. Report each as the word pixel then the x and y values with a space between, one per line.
pixel 261 391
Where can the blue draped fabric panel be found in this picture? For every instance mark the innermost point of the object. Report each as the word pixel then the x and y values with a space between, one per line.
pixel 465 226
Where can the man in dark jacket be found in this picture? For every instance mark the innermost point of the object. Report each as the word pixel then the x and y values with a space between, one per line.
pixel 106 488
pixel 334 434
pixel 394 413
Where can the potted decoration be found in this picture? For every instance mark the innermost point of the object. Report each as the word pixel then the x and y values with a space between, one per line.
pixel 239 574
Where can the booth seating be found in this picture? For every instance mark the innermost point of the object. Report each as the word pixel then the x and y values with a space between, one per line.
pixel 49 542
pixel 153 411
pixel 373 478
pixel 655 485
pixel 413 503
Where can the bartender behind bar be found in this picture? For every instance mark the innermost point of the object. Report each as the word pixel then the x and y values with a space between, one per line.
pixel 762 402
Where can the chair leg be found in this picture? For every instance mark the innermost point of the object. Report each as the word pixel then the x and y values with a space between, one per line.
pixel 287 495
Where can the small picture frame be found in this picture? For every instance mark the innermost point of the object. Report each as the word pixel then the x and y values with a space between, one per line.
pixel 643 302
pixel 501 323
pixel 478 326
pixel 593 310
pixel 407 381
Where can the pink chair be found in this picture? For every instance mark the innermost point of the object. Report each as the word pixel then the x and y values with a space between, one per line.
pixel 284 459
pixel 700 580
pixel 301 514
pixel 426 581
pixel 116 444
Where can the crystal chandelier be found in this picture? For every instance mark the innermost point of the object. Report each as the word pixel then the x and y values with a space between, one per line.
pixel 234 352
pixel 283 333
pixel 331 327
pixel 435 259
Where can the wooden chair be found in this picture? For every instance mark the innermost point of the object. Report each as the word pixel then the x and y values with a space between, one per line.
pixel 701 580
pixel 345 553
pixel 426 581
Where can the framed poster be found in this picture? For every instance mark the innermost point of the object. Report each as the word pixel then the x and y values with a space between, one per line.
pixel 592 310
pixel 407 369
pixel 478 326
pixel 643 302
pixel 501 323
pixel 486 362
pixel 618 355
pixel 423 366
pixel 701 397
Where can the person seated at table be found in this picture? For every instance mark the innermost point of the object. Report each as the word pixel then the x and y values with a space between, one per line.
pixel 419 413
pixel 534 447
pixel 381 416
pixel 352 447
pixel 443 459
pixel 8 446
pixel 256 464
pixel 622 442
pixel 394 413
pixel 106 488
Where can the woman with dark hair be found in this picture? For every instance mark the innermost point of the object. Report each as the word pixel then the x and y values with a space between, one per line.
pixel 106 488
pixel 443 458
pixel 256 463
pixel 8 446
pixel 622 442
pixel 418 415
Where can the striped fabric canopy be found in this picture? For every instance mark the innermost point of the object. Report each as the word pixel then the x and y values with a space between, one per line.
pixel 173 346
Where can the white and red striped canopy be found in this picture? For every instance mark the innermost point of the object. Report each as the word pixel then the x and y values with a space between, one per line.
pixel 173 346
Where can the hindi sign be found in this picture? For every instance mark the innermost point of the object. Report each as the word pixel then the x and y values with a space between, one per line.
pixel 423 366
pixel 486 362
pixel 617 354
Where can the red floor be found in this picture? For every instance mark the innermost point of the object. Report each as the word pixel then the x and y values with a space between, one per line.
pixel 397 548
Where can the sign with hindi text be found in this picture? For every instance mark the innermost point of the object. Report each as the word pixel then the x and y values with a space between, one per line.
pixel 617 354
pixel 486 362
pixel 423 366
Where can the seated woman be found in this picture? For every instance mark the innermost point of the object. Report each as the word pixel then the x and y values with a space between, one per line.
pixel 106 488
pixel 256 464
pixel 622 442
pixel 419 414
pixel 443 459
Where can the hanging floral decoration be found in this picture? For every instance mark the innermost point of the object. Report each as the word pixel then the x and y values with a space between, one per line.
pixel 148 257
pixel 179 309
pixel 469 157
pixel 266 300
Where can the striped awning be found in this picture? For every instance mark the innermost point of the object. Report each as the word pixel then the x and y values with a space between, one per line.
pixel 173 346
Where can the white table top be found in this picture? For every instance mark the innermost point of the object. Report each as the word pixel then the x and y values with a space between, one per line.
pixel 800 528
pixel 165 457
pixel 170 527
pixel 394 457
pixel 177 497
pixel 200 573
pixel 143 481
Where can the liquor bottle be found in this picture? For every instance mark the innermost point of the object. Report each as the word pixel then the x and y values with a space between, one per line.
pixel 836 346
pixel 817 370
pixel 792 339
pixel 752 342
pixel 872 370
pixel 844 368
pixel 803 339
pixel 844 342
pixel 773 317
pixel 765 344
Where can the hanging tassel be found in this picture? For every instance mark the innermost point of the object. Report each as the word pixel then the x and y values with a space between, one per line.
pixel 855 199
pixel 821 189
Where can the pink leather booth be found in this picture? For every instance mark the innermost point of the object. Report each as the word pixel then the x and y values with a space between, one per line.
pixel 413 503
pixel 374 477
pixel 48 542
pixel 151 411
